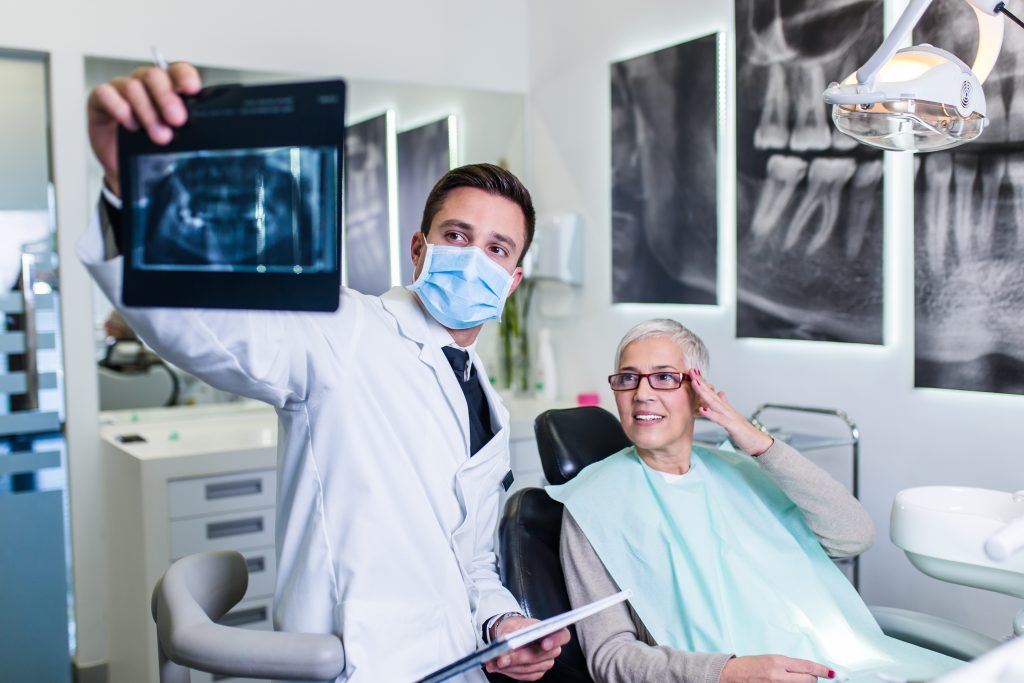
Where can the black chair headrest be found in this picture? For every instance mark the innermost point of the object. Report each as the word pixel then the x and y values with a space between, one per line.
pixel 572 438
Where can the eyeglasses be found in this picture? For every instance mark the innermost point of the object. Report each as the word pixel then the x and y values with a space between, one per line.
pixel 665 381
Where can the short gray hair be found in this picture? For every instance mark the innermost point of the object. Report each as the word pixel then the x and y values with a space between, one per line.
pixel 694 351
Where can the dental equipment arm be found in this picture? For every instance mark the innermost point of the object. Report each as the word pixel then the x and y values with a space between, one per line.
pixel 990 39
pixel 919 98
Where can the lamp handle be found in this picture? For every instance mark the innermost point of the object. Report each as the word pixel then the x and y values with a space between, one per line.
pixel 990 38
pixel 906 23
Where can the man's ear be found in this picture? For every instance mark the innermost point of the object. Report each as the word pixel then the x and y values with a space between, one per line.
pixel 517 277
pixel 417 247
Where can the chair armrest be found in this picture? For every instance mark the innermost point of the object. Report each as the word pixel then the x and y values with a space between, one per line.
pixel 258 654
pixel 934 633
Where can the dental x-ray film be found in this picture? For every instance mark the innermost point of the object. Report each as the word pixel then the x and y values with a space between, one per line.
pixel 242 209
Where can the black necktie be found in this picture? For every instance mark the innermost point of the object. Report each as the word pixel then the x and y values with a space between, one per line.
pixel 480 431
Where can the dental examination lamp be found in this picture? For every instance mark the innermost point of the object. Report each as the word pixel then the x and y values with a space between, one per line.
pixel 921 98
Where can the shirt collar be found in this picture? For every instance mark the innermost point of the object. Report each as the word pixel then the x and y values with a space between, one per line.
pixel 439 334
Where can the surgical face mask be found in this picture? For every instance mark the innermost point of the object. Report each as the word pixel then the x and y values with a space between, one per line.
pixel 461 287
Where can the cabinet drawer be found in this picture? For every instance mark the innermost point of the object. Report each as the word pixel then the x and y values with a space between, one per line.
pixel 262 565
pixel 254 614
pixel 224 493
pixel 236 531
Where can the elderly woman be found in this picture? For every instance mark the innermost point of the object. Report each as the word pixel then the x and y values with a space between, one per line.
pixel 727 554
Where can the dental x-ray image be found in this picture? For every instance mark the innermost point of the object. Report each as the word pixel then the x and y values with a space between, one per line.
pixel 249 210
pixel 367 226
pixel 969 229
pixel 809 199
pixel 423 157
pixel 664 139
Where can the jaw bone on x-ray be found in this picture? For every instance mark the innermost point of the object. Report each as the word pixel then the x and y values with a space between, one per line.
pixel 242 208
pixel 969 230
pixel 664 175
pixel 809 221
pixel 232 210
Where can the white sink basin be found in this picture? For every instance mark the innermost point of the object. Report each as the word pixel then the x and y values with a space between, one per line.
pixel 943 530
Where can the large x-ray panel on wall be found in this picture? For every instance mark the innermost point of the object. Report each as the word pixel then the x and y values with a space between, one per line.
pixel 367 249
pixel 809 200
pixel 969 229
pixel 425 153
pixel 664 122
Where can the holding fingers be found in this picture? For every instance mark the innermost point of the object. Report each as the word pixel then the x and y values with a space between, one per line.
pixel 716 407
pixel 148 99
pixel 531 662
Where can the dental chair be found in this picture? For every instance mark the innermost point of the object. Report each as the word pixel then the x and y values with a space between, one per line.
pixel 194 593
pixel 530 529
pixel 569 440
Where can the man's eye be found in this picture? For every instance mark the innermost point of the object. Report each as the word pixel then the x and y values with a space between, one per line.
pixel 455 236
pixel 501 251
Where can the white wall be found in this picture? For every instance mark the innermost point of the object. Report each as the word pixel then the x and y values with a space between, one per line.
pixel 910 436
pixel 447 42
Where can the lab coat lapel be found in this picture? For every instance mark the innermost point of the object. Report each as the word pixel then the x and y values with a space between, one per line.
pixel 414 324
pixel 499 413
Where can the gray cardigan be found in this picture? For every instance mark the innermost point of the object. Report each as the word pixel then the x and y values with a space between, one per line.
pixel 618 647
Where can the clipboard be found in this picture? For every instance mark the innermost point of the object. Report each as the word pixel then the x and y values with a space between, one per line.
pixel 523 637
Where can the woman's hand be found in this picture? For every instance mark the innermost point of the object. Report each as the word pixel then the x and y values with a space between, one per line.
pixel 773 669
pixel 716 407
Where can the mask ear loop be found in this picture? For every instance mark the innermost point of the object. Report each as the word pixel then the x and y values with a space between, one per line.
pixel 425 270
pixel 505 295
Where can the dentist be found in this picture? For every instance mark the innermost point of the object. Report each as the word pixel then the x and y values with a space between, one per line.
pixel 392 445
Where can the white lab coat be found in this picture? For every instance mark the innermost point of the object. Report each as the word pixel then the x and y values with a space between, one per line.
pixel 385 525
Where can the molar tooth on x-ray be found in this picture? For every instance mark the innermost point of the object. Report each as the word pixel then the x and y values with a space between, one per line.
pixel 784 176
pixel 826 179
pixel 1015 172
pixel 810 130
pixel 773 130
pixel 769 45
pixel 998 129
pixel 938 176
pixel 965 172
pixel 771 49
pixel 863 192
pixel 993 170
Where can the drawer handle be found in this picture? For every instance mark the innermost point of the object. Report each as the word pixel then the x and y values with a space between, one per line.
pixel 243 617
pixel 234 489
pixel 236 527
pixel 255 564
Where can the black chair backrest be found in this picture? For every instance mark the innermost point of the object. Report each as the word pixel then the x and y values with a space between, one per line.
pixel 530 529
pixel 572 438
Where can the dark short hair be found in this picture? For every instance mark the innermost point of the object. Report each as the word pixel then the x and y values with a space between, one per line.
pixel 489 178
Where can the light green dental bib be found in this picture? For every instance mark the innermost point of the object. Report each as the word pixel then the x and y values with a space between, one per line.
pixel 722 561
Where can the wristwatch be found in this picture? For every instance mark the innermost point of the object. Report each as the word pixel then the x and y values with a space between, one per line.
pixel 491 625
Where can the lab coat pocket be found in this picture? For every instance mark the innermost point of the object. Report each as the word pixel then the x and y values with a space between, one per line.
pixel 391 640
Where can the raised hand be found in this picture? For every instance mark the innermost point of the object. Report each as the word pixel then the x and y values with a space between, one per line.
pixel 716 407
pixel 150 99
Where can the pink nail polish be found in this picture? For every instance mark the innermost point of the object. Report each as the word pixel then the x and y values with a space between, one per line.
pixel 831 673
